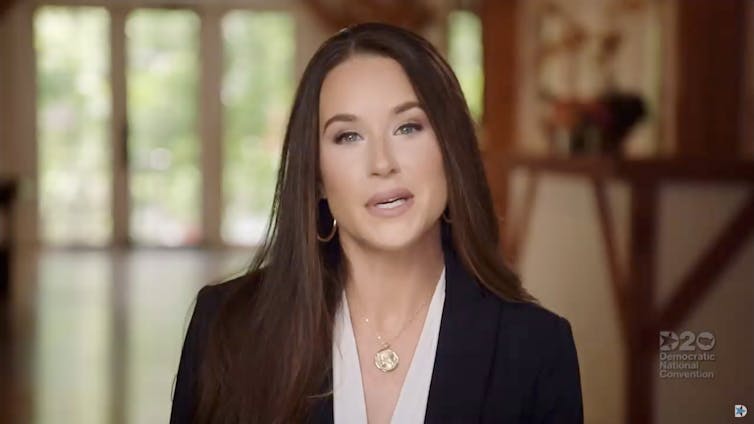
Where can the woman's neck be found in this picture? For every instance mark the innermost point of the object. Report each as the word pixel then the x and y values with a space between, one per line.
pixel 388 286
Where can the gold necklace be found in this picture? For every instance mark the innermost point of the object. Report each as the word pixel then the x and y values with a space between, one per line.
pixel 386 359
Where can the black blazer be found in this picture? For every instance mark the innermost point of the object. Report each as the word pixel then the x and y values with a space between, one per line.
pixel 496 362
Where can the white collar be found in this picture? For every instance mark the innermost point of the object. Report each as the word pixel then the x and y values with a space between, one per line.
pixel 348 391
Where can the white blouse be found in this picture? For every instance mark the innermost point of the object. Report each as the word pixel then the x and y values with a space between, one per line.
pixel 348 392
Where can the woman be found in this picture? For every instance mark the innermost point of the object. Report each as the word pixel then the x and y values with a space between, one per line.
pixel 380 293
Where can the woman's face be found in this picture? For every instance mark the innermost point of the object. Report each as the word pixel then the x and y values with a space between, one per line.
pixel 376 146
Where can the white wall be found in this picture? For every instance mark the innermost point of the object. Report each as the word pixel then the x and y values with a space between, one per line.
pixel 563 263
pixel 691 216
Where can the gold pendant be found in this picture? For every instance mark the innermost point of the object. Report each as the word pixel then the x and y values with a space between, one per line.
pixel 386 359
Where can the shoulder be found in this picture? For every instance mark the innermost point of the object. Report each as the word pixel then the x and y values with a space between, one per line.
pixel 533 322
pixel 537 363
pixel 211 297
pixel 531 330
pixel 534 337
pixel 209 300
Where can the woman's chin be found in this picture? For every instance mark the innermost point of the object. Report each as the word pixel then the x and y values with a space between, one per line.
pixel 391 245
pixel 395 239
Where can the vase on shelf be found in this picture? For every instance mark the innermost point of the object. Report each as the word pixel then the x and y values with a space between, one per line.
pixel 597 126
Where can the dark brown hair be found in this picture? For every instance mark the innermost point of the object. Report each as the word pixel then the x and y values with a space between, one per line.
pixel 269 353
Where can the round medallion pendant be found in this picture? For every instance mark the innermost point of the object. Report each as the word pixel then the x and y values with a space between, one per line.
pixel 386 360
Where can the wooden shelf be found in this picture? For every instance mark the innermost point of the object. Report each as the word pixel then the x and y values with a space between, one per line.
pixel 639 169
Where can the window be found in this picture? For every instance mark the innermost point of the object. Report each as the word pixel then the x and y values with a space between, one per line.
pixel 465 57
pixel 257 92
pixel 163 146
pixel 73 99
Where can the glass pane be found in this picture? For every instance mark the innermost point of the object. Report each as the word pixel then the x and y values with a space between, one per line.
pixel 256 95
pixel 162 95
pixel 73 116
pixel 465 57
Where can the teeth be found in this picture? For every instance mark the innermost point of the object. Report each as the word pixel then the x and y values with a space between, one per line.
pixel 392 204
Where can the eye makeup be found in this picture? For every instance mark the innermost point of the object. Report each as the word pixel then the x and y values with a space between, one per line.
pixel 340 138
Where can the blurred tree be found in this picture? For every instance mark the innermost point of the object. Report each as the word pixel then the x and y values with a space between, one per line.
pixel 465 57
pixel 73 100
pixel 162 95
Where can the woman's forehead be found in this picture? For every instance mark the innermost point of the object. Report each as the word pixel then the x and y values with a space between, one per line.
pixel 365 84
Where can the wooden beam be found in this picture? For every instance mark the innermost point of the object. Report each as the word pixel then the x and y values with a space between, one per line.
pixel 641 279
pixel 211 126
pixel 747 142
pixel 500 53
pixel 5 5
pixel 411 14
pixel 121 197
pixel 700 279
pixel 711 41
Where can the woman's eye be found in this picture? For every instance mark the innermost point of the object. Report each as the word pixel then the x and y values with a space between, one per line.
pixel 346 137
pixel 409 128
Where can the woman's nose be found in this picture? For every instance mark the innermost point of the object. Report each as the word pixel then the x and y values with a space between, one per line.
pixel 382 158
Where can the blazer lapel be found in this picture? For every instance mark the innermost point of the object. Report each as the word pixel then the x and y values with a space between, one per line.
pixel 464 355
pixel 465 348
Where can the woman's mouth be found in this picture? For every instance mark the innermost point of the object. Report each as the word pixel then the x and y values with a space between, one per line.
pixel 390 204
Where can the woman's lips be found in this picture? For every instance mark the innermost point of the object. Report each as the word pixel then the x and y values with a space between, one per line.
pixel 392 209
pixel 386 196
pixel 390 203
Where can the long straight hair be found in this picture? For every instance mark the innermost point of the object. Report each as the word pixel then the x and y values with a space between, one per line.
pixel 269 350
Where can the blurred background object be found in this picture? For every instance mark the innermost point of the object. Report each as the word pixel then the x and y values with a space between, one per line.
pixel 139 144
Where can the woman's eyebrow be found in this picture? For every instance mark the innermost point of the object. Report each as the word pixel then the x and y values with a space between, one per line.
pixel 406 106
pixel 347 117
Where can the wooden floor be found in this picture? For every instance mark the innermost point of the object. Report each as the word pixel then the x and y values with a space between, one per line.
pixel 94 336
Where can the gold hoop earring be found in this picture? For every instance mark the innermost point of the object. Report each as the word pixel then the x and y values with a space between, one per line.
pixel 332 232
pixel 446 218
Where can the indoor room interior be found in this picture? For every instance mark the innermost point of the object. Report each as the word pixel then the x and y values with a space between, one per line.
pixel 139 145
